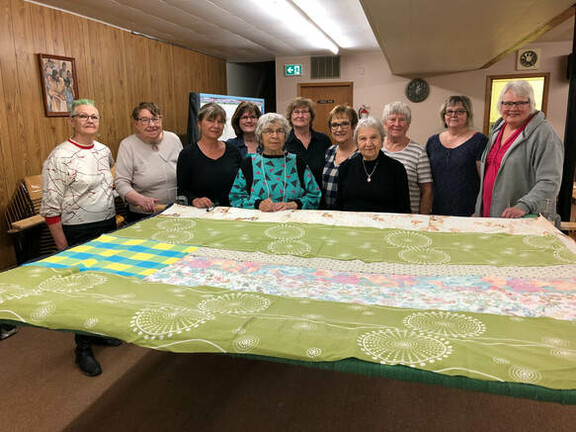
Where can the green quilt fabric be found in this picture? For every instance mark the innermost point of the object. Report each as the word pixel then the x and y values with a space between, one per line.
pixel 203 319
pixel 350 243
pixel 81 290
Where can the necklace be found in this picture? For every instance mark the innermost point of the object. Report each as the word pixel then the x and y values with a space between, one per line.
pixel 452 141
pixel 266 177
pixel 341 155
pixel 369 176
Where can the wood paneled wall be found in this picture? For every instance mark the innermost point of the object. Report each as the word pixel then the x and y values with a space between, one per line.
pixel 115 68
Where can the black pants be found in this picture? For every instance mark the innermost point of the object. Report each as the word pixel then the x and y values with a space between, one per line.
pixel 76 234
pixel 135 217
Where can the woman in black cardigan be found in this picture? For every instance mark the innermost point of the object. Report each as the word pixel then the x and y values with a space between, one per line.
pixel 372 181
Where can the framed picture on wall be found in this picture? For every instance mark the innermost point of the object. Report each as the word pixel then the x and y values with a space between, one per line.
pixel 494 86
pixel 59 84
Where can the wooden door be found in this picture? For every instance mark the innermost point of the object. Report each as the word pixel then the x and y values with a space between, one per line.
pixel 326 96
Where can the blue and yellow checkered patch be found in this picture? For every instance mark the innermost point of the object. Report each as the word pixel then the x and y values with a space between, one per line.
pixel 117 255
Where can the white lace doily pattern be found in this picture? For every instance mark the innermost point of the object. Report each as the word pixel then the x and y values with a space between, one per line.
pixel 442 323
pixel 235 303
pixel 405 347
pixel 167 321
pixel 73 283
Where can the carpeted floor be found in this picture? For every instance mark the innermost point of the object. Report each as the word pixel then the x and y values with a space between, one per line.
pixel 145 390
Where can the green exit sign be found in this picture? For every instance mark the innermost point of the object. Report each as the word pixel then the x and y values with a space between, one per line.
pixel 293 69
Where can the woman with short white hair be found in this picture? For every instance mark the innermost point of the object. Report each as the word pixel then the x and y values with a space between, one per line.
pixel 370 181
pixel 396 119
pixel 274 180
pixel 521 168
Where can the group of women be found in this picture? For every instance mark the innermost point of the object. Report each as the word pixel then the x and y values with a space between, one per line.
pixel 280 163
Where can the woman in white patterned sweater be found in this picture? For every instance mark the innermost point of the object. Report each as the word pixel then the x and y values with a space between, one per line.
pixel 78 201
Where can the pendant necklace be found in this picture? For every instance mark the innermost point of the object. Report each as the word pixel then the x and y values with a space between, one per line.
pixel 266 179
pixel 369 176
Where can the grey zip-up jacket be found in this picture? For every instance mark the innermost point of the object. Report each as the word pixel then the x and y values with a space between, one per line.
pixel 530 173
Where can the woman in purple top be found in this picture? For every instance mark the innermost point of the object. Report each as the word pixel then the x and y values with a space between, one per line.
pixel 455 159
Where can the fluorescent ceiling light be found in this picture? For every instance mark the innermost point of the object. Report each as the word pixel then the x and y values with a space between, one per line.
pixel 291 16
pixel 322 17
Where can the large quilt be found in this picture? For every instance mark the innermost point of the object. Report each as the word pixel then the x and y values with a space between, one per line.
pixel 492 300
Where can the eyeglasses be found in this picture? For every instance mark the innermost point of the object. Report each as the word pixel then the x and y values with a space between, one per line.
pixel 301 112
pixel 274 131
pixel 458 112
pixel 85 117
pixel 252 117
pixel 148 120
pixel 343 125
pixel 517 104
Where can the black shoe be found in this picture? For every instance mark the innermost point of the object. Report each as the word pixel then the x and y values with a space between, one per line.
pixel 7 330
pixel 106 341
pixel 87 363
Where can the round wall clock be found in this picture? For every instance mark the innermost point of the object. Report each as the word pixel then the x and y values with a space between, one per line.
pixel 417 90
pixel 528 58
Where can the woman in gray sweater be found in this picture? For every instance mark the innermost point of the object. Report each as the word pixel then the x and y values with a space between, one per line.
pixel 146 165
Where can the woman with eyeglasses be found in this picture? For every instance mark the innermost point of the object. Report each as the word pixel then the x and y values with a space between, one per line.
pixel 244 122
pixel 206 169
pixel 146 165
pixel 304 141
pixel 78 201
pixel 274 180
pixel 342 121
pixel 454 156
pixel 521 167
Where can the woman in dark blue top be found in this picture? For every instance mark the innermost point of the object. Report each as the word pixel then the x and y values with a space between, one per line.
pixel 455 159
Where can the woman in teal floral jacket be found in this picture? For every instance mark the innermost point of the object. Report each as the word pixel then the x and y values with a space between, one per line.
pixel 274 180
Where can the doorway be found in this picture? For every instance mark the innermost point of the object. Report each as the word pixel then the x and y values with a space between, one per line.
pixel 326 96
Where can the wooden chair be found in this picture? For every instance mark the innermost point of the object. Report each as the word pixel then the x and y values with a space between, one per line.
pixel 30 235
pixel 569 228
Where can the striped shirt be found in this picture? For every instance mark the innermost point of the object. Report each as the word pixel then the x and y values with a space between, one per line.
pixel 417 165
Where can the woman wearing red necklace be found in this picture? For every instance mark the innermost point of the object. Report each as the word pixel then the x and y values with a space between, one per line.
pixel 522 165
pixel 77 200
